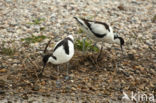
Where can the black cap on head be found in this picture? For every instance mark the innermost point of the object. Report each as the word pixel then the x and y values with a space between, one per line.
pixel 121 42
pixel 45 58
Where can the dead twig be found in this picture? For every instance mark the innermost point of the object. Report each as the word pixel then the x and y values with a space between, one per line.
pixel 36 66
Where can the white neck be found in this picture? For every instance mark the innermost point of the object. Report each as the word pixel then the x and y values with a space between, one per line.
pixel 51 60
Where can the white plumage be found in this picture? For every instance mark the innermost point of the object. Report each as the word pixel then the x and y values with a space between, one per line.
pixel 62 52
pixel 99 31
pixel 98 28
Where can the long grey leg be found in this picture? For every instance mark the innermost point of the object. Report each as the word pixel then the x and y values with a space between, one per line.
pixel 67 65
pixel 95 44
pixel 58 71
pixel 83 49
pixel 100 52
pixel 58 82
pixel 67 76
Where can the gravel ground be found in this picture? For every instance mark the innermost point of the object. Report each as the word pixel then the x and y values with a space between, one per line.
pixel 89 82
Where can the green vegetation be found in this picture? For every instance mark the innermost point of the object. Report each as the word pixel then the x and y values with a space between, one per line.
pixel 8 51
pixel 34 39
pixel 91 17
pixel 88 45
pixel 37 21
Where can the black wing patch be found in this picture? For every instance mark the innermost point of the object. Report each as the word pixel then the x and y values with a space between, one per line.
pixel 96 34
pixel 106 25
pixel 65 45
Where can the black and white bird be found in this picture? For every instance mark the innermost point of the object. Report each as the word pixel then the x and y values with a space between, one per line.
pixel 99 32
pixel 62 52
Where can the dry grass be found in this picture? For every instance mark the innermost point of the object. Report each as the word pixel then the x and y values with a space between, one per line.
pixel 86 76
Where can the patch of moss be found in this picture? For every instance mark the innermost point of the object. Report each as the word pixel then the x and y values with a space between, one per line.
pixel 8 51
pixel 90 17
pixel 88 45
pixel 37 21
pixel 34 39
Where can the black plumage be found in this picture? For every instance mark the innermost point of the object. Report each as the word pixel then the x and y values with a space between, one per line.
pixel 65 45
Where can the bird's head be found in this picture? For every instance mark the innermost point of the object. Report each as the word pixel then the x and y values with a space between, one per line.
pixel 119 40
pixel 45 59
